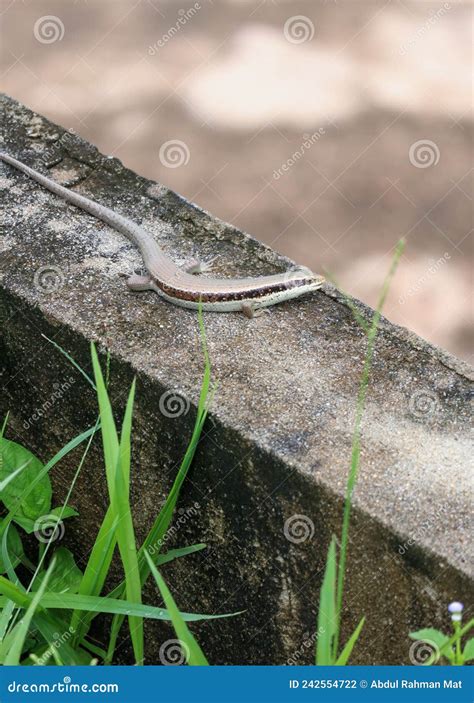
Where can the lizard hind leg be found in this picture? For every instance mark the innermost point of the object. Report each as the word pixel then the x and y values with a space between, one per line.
pixel 139 283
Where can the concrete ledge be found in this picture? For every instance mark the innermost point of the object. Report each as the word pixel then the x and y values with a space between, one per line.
pixel 278 440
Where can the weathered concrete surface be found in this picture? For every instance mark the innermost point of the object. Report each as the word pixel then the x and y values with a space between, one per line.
pixel 278 440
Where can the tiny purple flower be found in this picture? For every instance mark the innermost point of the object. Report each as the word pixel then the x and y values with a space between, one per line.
pixel 456 608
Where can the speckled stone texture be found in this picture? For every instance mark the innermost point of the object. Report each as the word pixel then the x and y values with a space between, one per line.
pixel 277 443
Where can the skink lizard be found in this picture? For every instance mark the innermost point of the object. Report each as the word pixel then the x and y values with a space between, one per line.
pixel 179 285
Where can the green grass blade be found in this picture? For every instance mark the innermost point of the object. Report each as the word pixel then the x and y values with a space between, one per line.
pixel 96 571
pixel 173 554
pixel 194 654
pixel 4 425
pixel 16 646
pixel 109 433
pixel 71 360
pixel 8 609
pixel 117 468
pixel 10 571
pixel 125 531
pixel 355 456
pixel 101 604
pixel 347 651
pixel 327 610
pixel 161 524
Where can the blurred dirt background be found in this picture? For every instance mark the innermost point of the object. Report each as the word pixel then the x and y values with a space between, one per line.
pixel 327 129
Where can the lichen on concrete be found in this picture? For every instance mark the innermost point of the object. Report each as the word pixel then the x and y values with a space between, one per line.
pixel 279 434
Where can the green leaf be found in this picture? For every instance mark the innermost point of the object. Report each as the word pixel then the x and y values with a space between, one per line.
pixel 64 511
pixel 31 525
pixel 39 478
pixel 16 646
pixel 327 610
pixel 14 546
pixel 66 576
pixel 468 652
pixel 193 652
pixel 38 500
pixel 347 651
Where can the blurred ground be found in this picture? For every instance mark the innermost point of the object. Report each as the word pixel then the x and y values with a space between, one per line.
pixel 326 129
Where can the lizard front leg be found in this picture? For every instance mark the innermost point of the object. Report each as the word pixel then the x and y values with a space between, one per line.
pixel 196 266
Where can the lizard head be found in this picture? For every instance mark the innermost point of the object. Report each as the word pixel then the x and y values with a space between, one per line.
pixel 303 279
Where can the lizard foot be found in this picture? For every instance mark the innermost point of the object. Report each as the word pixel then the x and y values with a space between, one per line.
pixel 249 310
pixel 196 266
pixel 139 283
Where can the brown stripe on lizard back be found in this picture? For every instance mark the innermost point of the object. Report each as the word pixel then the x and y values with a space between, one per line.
pixel 215 297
